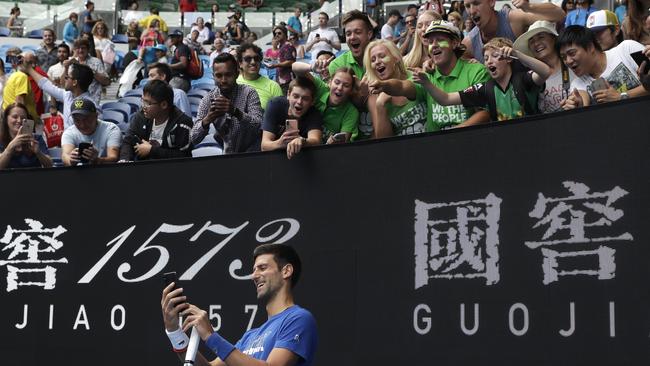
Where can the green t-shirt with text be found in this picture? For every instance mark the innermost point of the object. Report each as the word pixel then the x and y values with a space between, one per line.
pixel 463 76
pixel 411 117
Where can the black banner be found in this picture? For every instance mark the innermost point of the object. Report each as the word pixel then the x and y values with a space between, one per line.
pixel 518 243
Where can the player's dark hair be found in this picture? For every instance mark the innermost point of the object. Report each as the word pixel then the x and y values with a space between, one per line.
pixel 282 254
pixel 83 74
pixel 578 35
pixel 162 69
pixel 160 91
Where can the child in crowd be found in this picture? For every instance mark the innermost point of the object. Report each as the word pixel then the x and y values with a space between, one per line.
pixel 509 94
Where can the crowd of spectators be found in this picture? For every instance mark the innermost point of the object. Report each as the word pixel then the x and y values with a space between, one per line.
pixel 427 69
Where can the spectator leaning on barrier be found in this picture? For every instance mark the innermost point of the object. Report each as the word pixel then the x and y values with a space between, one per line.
pixel 76 81
pixel 19 149
pixel 233 109
pixel 18 88
pixel 55 71
pixel 323 38
pixel 292 122
pixel 160 130
pixel 615 69
pixel 47 54
pixel 249 57
pixel 605 26
pixel 340 116
pixel 180 60
pixel 539 42
pixel 505 23
pixel 509 94
pixel 104 137
pixel 161 71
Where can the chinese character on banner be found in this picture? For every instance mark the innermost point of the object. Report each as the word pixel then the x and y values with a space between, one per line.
pixel 23 254
pixel 574 226
pixel 457 240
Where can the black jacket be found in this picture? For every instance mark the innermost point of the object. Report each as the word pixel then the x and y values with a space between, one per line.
pixel 176 137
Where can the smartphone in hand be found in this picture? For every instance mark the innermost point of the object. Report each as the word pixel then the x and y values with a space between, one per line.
pixel 291 124
pixel 80 150
pixel 27 128
pixel 599 84
pixel 170 277
pixel 339 137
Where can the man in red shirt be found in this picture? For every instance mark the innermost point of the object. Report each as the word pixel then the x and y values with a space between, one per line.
pixel 187 6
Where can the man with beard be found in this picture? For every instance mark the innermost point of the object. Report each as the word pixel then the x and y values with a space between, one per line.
pixel 232 108
pixel 602 76
pixel 249 57
pixel 160 130
pixel 539 42
pixel 288 337
pixel 55 71
pixel 451 74
pixel 293 122
pixel 505 23
pixel 47 54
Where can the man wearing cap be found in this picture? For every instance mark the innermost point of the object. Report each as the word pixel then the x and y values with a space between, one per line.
pixel 539 42
pixel 180 61
pixel 388 30
pixel 104 137
pixel 579 15
pixel 76 80
pixel 451 74
pixel 605 26
pixel 505 23
pixel 160 51
pixel 582 53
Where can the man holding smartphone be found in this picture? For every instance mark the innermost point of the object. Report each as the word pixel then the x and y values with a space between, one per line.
pixel 292 122
pixel 288 337
pixel 323 38
pixel 90 140
pixel 234 110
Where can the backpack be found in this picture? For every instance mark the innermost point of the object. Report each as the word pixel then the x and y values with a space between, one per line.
pixel 194 66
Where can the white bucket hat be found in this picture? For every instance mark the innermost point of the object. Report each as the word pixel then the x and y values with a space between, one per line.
pixel 540 26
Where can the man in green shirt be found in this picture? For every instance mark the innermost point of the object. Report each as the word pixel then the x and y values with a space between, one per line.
pixel 451 74
pixel 249 57
pixel 358 33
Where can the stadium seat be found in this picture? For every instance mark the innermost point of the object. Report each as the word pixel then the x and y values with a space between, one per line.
pixel 195 109
pixel 204 86
pixel 197 93
pixel 124 108
pixel 29 47
pixel 113 116
pixel 120 38
pixel 134 93
pixel 207 151
pixel 134 102
pixel 35 34
pixel 4 32
pixel 194 100
pixel 205 60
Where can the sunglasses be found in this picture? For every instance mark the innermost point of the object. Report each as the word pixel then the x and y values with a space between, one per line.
pixel 277 33
pixel 251 58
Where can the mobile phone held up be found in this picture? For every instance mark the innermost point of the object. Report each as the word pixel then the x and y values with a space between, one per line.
pixel 339 137
pixel 639 57
pixel 170 277
pixel 27 128
pixel 599 84
pixel 291 124
pixel 83 146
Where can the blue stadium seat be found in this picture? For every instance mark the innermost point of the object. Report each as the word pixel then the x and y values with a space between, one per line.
pixel 204 86
pixel 143 82
pixel 195 109
pixel 4 32
pixel 29 47
pixel 124 108
pixel 197 93
pixel 113 116
pixel 134 102
pixel 205 60
pixel 134 93
pixel 35 34
pixel 194 100
pixel 120 38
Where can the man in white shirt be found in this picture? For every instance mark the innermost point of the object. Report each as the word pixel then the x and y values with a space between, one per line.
pixel 323 38
pixel 104 137
pixel 582 53
pixel 55 71
pixel 388 30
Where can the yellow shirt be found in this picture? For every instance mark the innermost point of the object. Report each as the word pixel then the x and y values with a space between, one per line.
pixel 18 84
pixel 146 21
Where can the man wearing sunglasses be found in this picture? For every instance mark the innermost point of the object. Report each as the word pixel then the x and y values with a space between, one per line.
pixel 249 57
pixel 287 58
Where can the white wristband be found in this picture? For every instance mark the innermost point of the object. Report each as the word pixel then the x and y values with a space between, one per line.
pixel 178 338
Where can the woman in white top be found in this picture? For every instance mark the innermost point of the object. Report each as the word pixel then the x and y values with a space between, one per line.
pixel 104 47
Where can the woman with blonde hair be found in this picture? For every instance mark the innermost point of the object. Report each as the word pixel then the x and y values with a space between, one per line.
pixel 104 47
pixel 392 115
pixel 420 51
